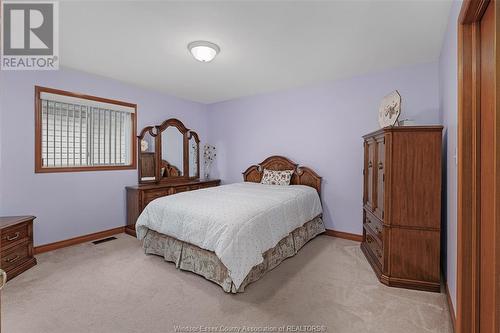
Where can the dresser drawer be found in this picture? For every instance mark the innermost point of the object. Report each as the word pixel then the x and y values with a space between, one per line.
pixel 155 194
pixel 14 235
pixel 15 256
pixel 206 185
pixel 373 246
pixel 375 226
pixel 179 189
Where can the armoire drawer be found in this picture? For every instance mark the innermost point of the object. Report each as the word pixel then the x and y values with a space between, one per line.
pixel 374 246
pixel 375 226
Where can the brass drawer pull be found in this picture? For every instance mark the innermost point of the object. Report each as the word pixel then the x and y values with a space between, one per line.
pixel 9 238
pixel 12 259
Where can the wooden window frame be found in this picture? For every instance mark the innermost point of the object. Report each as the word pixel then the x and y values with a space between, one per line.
pixel 38 134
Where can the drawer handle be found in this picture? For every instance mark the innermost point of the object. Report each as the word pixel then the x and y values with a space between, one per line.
pixel 16 236
pixel 380 166
pixel 12 259
pixel 370 164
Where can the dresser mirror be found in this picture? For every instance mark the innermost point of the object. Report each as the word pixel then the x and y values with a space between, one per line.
pixel 194 156
pixel 147 155
pixel 172 153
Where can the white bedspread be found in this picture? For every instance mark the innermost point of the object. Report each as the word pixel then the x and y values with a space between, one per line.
pixel 239 222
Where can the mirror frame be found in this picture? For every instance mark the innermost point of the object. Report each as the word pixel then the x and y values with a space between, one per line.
pixel 151 130
pixel 172 122
pixel 193 134
pixel 156 131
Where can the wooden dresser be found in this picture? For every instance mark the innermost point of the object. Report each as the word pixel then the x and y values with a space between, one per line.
pixel 16 244
pixel 140 195
pixel 402 205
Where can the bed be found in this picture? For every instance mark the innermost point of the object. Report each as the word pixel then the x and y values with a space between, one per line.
pixel 233 234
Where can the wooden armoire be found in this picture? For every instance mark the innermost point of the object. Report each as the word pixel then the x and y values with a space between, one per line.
pixel 402 205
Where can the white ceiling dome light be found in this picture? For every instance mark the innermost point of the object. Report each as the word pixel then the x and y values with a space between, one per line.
pixel 203 51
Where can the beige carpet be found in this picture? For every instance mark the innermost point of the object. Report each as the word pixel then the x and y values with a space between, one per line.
pixel 115 287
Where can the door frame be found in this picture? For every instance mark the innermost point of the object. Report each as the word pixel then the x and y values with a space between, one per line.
pixel 469 191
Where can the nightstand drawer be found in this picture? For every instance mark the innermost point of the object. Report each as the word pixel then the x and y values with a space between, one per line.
pixel 16 234
pixel 13 235
pixel 15 256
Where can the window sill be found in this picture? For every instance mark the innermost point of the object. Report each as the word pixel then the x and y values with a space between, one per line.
pixel 87 168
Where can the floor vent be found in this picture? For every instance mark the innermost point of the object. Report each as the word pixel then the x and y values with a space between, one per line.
pixel 103 240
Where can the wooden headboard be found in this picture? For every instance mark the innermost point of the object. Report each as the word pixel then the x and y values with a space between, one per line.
pixel 301 176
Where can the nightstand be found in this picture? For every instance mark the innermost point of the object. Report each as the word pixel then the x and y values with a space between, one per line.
pixel 16 244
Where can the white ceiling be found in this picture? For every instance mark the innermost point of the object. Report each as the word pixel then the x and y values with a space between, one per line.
pixel 265 46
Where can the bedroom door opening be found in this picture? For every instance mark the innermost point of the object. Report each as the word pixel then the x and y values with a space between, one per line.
pixel 478 269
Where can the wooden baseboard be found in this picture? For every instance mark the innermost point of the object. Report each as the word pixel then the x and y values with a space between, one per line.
pixel 106 233
pixel 77 240
pixel 344 235
pixel 450 306
pixel 130 230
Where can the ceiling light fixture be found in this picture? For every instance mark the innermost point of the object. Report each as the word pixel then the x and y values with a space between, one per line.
pixel 203 51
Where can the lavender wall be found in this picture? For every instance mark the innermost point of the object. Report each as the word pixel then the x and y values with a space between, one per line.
pixel 320 127
pixel 71 204
pixel 449 110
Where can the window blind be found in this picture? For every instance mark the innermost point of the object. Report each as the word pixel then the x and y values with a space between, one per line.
pixel 78 132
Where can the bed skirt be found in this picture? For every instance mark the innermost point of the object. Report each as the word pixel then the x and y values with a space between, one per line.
pixel 189 257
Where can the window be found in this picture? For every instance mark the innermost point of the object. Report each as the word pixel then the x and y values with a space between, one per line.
pixel 76 132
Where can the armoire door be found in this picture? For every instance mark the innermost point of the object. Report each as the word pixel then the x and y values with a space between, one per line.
pixel 370 161
pixel 380 178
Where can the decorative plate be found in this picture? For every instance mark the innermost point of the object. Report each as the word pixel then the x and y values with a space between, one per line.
pixel 144 145
pixel 389 110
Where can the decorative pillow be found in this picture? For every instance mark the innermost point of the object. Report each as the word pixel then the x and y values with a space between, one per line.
pixel 272 177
